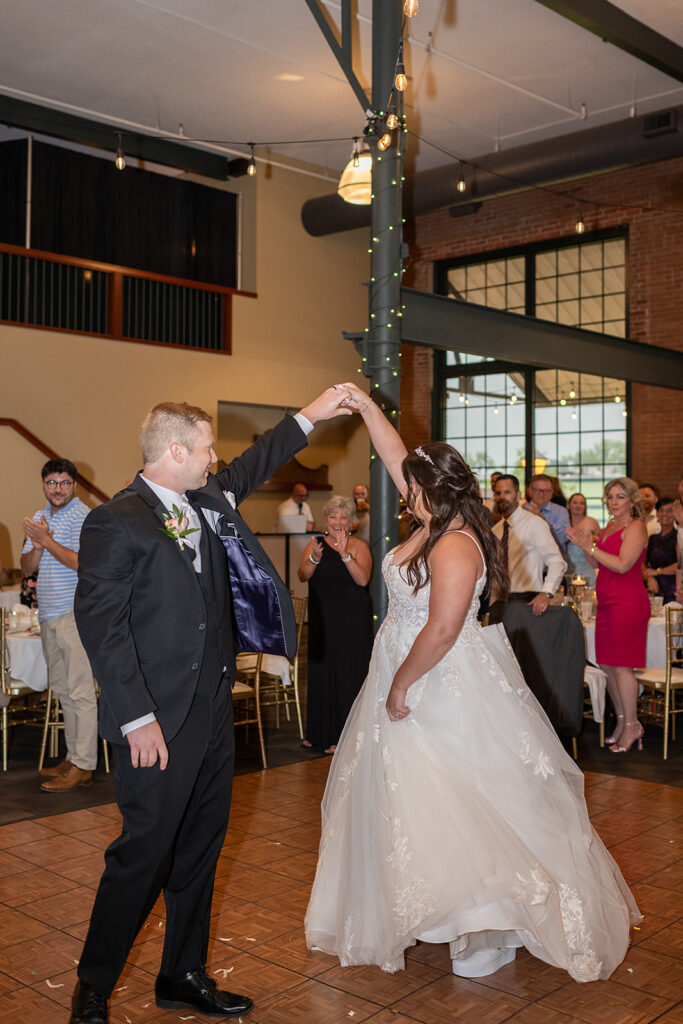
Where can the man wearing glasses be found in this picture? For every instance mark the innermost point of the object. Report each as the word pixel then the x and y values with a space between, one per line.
pixel 52 544
pixel 540 494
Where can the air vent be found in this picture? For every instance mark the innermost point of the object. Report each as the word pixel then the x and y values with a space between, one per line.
pixel 663 123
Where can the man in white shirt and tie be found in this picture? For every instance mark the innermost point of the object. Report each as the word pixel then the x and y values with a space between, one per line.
pixel 295 505
pixel 534 561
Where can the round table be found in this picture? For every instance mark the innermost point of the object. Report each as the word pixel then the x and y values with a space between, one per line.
pixel 26 661
pixel 656 642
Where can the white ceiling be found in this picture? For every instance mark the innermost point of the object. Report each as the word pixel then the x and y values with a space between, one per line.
pixel 500 73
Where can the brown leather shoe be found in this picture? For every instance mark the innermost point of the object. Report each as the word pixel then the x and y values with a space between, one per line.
pixel 56 769
pixel 71 779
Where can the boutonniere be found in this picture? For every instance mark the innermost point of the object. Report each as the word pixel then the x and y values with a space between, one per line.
pixel 177 526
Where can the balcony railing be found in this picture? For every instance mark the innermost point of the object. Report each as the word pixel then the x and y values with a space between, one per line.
pixel 62 293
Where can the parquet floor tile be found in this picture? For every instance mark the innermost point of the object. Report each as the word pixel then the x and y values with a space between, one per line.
pixel 290 950
pixel 50 868
pixel 670 878
pixel 249 925
pixel 451 997
pixel 26 1006
pixel 526 977
pixel 314 1002
pixel 85 870
pixel 668 941
pixel 11 865
pixel 645 970
pixel 380 987
pixel 21 832
pixel 76 821
pixel 673 1016
pixel 32 884
pixel 64 909
pixel 607 1002
pixel 16 926
pixel 36 959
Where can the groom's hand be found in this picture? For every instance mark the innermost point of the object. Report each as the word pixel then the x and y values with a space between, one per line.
pixel 146 745
pixel 328 405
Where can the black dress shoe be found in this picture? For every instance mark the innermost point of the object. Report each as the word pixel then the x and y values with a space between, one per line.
pixel 88 1006
pixel 198 991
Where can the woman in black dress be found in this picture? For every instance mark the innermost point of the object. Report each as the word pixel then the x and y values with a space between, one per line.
pixel 338 568
pixel 662 554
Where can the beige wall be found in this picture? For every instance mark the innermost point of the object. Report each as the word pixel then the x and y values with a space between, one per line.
pixel 86 396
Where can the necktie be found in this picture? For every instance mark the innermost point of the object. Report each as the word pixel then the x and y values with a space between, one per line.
pixel 192 540
pixel 300 506
pixel 504 544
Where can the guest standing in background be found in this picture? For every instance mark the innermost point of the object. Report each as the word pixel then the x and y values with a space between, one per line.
pixel 361 517
pixel 337 567
pixel 623 605
pixel 662 554
pixel 297 505
pixel 649 495
pixel 576 557
pixel 540 490
pixel 53 539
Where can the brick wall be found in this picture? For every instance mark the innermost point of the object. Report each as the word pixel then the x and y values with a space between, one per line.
pixel 655 283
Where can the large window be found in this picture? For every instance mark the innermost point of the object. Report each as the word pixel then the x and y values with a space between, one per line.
pixel 521 419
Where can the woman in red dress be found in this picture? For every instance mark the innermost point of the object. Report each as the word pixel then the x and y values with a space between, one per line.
pixel 623 604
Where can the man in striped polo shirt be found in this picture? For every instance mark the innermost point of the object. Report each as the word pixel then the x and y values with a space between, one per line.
pixel 52 543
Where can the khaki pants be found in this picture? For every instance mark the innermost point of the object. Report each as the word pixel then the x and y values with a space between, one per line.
pixel 70 676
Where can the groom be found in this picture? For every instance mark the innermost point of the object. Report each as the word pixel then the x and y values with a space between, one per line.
pixel 155 613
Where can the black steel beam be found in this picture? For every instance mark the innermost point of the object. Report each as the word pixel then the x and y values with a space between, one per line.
pixel 449 324
pixel 343 52
pixel 608 21
pixel 45 121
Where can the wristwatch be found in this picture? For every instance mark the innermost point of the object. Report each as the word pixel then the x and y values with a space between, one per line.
pixel 549 595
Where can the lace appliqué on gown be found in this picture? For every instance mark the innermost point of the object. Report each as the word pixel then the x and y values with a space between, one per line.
pixel 465 820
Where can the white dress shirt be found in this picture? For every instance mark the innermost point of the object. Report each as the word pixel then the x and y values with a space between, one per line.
pixel 535 561
pixel 170 498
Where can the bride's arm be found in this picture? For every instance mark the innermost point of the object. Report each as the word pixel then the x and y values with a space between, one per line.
pixel 455 564
pixel 386 440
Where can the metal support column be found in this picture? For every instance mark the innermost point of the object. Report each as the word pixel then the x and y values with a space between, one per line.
pixel 382 350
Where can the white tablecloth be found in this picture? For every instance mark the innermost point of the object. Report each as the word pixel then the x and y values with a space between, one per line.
pixel 26 661
pixel 273 664
pixel 9 596
pixel 656 642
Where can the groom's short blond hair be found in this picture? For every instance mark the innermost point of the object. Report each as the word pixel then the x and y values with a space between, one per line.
pixel 170 422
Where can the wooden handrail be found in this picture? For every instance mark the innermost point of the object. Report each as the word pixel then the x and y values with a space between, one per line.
pixel 112 268
pixel 50 453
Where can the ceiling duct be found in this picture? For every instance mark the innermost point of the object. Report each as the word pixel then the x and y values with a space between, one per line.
pixel 609 147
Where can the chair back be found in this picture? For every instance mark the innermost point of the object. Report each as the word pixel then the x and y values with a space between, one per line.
pixel 674 637
pixel 300 604
pixel 3 650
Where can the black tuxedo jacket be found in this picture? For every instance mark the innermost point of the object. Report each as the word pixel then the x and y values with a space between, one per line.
pixel 140 609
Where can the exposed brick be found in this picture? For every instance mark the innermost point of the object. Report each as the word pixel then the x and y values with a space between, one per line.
pixel 655 286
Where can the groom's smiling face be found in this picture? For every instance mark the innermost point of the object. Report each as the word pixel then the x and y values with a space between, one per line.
pixel 197 461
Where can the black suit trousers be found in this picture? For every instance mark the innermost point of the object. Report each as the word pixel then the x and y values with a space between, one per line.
pixel 174 824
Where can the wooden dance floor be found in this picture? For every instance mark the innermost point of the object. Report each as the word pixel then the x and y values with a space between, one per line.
pixel 49 868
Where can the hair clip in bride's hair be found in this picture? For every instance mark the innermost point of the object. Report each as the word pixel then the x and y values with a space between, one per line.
pixel 423 454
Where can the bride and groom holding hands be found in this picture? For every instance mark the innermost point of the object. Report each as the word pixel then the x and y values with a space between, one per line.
pixel 444 749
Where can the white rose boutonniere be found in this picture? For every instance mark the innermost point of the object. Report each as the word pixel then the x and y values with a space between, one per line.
pixel 177 526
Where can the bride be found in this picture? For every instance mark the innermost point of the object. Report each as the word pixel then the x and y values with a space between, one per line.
pixel 452 812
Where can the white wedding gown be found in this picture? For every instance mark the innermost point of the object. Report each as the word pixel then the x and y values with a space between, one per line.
pixel 465 822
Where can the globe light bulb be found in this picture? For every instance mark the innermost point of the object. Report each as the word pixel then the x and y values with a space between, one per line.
pixel 401 81
pixel 392 121
pixel 411 7
pixel 385 141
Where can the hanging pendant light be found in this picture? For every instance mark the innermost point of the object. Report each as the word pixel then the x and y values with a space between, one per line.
pixel 355 184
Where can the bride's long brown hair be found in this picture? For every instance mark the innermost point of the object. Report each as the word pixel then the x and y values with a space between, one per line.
pixel 449 488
